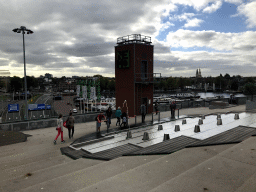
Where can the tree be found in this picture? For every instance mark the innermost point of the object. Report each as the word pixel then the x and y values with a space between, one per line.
pixel 172 83
pixel 16 83
pixel 234 84
pixel 103 83
pixel 249 80
pixel 250 89
pixel 163 85
pixel 2 84
pixel 112 85
pixel 32 82
pixel 227 76
pixel 100 76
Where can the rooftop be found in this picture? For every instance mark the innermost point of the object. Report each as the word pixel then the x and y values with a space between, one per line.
pixel 134 38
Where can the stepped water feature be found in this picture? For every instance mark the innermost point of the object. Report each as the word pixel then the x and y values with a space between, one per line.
pixel 149 140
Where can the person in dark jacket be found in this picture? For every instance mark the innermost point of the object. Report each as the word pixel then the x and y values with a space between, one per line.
pixel 70 125
pixel 109 115
pixel 156 107
pixel 173 107
pixel 143 112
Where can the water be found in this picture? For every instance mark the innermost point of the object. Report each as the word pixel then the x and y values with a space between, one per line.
pixel 203 95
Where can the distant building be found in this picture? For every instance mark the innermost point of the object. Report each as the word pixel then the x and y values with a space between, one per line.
pixel 198 73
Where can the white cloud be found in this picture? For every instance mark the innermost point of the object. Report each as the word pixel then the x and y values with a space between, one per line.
pixel 215 6
pixel 166 26
pixel 196 4
pixel 234 1
pixel 249 11
pixel 182 17
pixel 193 23
pixel 245 41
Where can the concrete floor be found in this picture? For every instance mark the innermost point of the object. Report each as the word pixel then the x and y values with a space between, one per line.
pixel 212 168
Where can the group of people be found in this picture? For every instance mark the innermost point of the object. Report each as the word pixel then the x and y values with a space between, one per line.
pixel 119 115
pixel 69 124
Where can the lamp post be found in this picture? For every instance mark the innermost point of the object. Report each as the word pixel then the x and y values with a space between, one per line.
pixel 23 29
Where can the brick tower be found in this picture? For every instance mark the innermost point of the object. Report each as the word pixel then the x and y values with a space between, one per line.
pixel 134 73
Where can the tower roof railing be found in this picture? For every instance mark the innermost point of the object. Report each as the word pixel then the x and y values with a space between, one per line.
pixel 134 38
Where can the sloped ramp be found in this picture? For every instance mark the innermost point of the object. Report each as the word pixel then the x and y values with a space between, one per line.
pixel 72 153
pixel 235 135
pixel 165 147
pixel 112 153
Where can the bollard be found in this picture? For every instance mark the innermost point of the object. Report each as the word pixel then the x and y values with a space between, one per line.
pixel 219 121
pixel 218 116
pixel 236 116
pixel 152 118
pixel 203 117
pixel 135 120
pixel 184 121
pixel 200 122
pixel 160 127
pixel 158 116
pixel 166 137
pixel 129 134
pixel 178 113
pixel 197 129
pixel 177 128
pixel 145 136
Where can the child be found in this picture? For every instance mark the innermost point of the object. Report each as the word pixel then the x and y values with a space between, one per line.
pixel 99 119
pixel 124 119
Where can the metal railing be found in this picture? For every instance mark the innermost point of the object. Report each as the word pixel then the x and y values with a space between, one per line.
pixel 144 77
pixel 134 38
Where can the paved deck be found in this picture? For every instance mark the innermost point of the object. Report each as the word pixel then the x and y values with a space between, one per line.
pixel 37 164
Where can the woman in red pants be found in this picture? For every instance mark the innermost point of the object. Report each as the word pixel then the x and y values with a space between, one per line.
pixel 60 129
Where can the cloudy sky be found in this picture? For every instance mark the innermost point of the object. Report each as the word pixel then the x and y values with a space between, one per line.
pixel 77 37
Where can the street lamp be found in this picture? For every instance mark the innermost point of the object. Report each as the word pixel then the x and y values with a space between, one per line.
pixel 23 29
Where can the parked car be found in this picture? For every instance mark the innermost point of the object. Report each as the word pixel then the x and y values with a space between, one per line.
pixel 74 110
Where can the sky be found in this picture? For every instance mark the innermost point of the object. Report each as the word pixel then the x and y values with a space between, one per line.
pixel 78 37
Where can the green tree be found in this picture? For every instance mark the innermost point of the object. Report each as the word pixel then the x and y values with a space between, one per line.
pixel 32 82
pixel 16 83
pixel 2 84
pixel 234 84
pixel 172 83
pixel 112 85
pixel 227 76
pixel 249 80
pixel 163 85
pixel 104 83
pixel 100 76
pixel 250 89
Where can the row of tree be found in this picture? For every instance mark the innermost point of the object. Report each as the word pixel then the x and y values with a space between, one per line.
pixel 235 83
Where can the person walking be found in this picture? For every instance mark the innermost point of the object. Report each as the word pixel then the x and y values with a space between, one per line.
pixel 143 112
pixel 156 107
pixel 60 129
pixel 173 107
pixel 118 115
pixel 99 120
pixel 109 115
pixel 70 125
